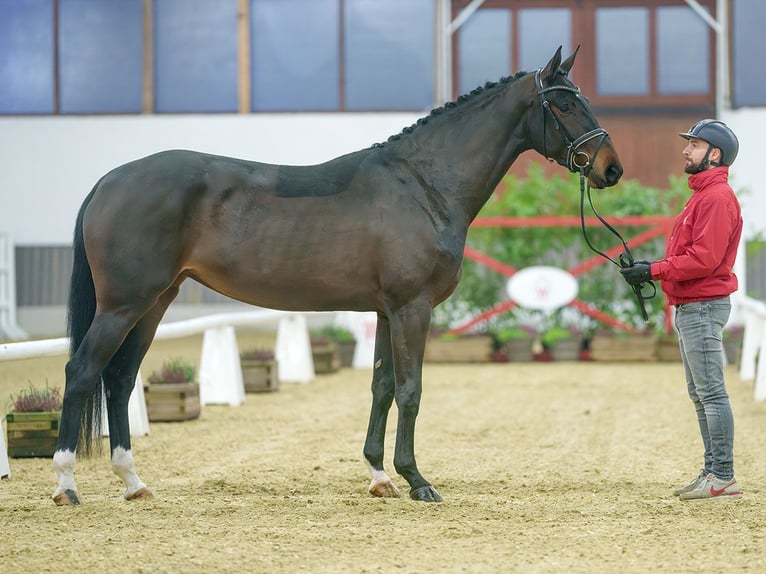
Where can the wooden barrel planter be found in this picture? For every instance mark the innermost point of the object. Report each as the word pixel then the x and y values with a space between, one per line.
pixel 466 349
pixel 623 348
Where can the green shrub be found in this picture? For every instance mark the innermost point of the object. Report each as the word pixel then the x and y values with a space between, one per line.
pixel 601 287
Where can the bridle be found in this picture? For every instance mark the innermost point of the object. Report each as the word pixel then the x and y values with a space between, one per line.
pixel 577 162
pixel 577 159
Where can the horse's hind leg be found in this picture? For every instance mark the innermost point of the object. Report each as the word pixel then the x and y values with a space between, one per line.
pixel 83 372
pixel 382 398
pixel 119 381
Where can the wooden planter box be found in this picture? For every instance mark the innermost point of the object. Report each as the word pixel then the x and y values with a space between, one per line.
pixel 566 349
pixel 326 358
pixel 260 376
pixel 628 348
pixel 520 350
pixel 346 350
pixel 32 434
pixel 172 401
pixel 667 349
pixel 473 349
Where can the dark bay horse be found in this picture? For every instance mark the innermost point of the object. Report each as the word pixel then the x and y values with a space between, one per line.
pixel 382 229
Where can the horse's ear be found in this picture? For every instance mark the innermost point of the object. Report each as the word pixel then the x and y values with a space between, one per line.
pixel 566 65
pixel 552 66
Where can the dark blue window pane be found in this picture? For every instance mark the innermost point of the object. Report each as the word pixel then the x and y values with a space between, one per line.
pixel 683 51
pixel 195 44
pixel 541 31
pixel 484 48
pixel 100 54
pixel 295 54
pixel 389 54
pixel 622 51
pixel 748 47
pixel 26 57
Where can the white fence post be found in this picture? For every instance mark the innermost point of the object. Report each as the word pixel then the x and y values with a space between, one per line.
pixel 9 328
pixel 220 372
pixel 5 467
pixel 753 358
pixel 293 351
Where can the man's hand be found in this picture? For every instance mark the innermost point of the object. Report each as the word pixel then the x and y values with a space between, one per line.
pixel 640 272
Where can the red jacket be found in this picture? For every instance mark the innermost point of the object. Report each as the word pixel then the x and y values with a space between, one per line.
pixel 700 253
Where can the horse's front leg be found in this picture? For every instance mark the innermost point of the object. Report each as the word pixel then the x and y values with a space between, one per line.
pixel 409 329
pixel 382 398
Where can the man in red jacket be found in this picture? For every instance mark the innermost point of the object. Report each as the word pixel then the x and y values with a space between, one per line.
pixel 697 278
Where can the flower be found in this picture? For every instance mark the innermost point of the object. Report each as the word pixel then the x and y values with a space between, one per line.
pixel 175 370
pixel 33 400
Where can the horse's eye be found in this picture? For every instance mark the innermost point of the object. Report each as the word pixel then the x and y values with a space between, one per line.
pixel 564 108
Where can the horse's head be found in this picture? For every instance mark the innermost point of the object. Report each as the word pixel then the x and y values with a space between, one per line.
pixel 563 127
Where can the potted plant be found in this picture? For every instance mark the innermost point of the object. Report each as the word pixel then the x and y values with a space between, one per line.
pixel 443 346
pixel 345 342
pixel 33 423
pixel 172 393
pixel 514 344
pixel 325 354
pixel 564 343
pixel 259 370
pixel 619 346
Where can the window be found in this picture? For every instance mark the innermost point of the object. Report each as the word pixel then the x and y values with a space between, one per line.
pixel 497 42
pixel 100 56
pixel 295 60
pixel 748 44
pixel 633 54
pixel 195 44
pixel 389 54
pixel 26 57
pixel 484 49
pixel 622 51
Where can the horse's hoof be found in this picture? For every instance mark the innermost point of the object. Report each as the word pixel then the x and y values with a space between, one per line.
pixel 384 489
pixel 425 494
pixel 66 498
pixel 140 494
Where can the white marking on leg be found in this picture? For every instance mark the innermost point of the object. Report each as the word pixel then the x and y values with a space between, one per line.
pixel 63 463
pixel 381 484
pixel 122 465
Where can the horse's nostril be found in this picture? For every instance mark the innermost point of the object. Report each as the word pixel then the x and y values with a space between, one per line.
pixel 613 173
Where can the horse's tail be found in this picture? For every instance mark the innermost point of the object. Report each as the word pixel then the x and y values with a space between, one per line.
pixel 82 309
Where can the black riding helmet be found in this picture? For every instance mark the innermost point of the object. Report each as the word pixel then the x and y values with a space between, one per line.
pixel 717 134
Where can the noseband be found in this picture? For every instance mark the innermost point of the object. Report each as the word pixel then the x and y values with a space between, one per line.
pixel 577 160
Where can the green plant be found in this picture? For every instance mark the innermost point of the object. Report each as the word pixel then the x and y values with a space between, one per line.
pixel 257 355
pixel 338 334
pixel 33 400
pixel 176 370
pixel 537 195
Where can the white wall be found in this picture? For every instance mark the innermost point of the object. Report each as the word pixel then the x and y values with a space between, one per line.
pixel 49 164
pixel 748 170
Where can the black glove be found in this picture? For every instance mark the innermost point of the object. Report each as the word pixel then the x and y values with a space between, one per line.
pixel 640 272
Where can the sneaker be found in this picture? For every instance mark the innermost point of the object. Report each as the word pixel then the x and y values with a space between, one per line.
pixel 694 483
pixel 712 487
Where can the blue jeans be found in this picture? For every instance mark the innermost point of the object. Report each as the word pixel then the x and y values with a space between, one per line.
pixel 700 331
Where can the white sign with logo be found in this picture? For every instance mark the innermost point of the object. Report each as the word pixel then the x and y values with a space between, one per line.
pixel 542 287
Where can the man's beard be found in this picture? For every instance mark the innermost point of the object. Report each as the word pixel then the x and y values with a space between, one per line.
pixel 691 167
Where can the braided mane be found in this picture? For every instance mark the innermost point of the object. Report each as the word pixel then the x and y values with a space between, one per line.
pixel 471 96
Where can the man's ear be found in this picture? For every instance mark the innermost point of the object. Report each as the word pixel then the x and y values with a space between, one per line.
pixel 715 154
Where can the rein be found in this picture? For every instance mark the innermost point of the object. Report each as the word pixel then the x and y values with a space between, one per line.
pixel 625 259
pixel 578 161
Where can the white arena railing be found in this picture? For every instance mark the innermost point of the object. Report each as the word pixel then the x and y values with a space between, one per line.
pixel 220 372
pixel 753 359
